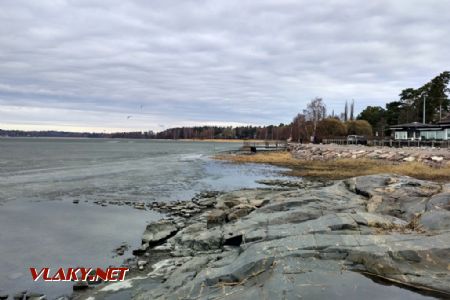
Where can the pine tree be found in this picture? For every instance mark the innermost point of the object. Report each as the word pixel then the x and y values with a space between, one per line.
pixel 352 108
pixel 346 112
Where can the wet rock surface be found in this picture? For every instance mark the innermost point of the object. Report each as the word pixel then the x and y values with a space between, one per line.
pixel 320 241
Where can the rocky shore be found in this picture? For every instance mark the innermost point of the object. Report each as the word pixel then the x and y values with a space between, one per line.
pixel 433 157
pixel 301 240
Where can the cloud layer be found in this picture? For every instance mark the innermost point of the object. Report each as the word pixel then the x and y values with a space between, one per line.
pixel 88 64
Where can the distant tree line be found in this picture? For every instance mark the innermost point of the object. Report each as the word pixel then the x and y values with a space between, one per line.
pixel 312 124
pixel 54 133
pixel 217 132
pixel 49 133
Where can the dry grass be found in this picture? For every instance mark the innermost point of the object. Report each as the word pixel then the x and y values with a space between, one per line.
pixel 413 226
pixel 342 168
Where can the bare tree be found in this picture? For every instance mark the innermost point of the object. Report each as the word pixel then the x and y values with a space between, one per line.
pixel 299 129
pixel 314 112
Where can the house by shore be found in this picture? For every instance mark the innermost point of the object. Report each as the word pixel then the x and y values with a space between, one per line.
pixel 420 131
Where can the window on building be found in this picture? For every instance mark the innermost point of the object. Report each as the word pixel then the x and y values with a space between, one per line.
pixel 401 135
pixel 432 135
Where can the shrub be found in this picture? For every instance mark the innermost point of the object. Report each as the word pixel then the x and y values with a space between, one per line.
pixel 359 127
pixel 330 127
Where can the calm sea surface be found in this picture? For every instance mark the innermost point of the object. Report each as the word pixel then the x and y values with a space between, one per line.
pixel 40 178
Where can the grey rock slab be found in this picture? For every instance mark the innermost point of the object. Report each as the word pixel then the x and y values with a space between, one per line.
pixel 198 237
pixel 439 201
pixel 158 231
pixel 302 243
pixel 435 220
pixel 364 185
pixel 394 195
pixel 420 260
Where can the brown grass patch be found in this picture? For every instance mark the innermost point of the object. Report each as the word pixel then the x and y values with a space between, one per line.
pixel 341 168
pixel 413 226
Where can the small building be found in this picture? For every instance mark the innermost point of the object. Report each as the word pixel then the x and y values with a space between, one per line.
pixel 408 131
pixel 420 131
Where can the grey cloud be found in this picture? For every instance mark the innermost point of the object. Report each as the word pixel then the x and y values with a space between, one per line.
pixel 188 62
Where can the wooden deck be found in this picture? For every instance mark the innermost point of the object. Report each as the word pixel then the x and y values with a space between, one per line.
pixel 268 145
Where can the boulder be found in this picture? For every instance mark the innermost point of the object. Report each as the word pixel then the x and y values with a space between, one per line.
pixel 216 217
pixel 158 231
pixel 240 211
pixel 229 203
pixel 141 250
pixel 205 202
pixel 437 158
pixel 197 237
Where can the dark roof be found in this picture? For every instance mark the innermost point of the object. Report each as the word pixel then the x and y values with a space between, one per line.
pixel 412 125
pixel 445 123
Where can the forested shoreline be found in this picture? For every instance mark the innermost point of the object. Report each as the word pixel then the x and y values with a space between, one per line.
pixel 314 121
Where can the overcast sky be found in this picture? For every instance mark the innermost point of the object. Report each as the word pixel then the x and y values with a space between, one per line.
pixel 107 65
